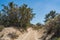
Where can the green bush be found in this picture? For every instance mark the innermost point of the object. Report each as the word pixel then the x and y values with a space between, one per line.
pixel 37 27
pixel 56 38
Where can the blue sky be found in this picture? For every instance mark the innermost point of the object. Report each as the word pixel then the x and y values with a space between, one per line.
pixel 40 7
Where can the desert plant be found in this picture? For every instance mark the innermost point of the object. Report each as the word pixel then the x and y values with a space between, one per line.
pixel 1 28
pixel 13 35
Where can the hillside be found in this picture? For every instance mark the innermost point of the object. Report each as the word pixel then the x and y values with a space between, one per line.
pixel 30 35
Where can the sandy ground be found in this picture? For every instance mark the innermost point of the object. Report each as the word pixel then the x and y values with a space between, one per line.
pixel 30 35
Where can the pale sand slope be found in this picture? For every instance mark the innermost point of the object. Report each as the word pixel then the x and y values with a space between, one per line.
pixel 30 35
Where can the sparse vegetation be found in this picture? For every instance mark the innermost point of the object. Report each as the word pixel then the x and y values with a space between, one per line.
pixel 20 17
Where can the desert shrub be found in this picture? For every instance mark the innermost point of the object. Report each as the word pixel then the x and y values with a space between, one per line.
pixel 1 28
pixel 37 27
pixel 13 35
pixel 56 38
pixel 14 15
pixel 53 26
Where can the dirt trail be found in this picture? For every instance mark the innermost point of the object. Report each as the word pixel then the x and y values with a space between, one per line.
pixel 30 35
